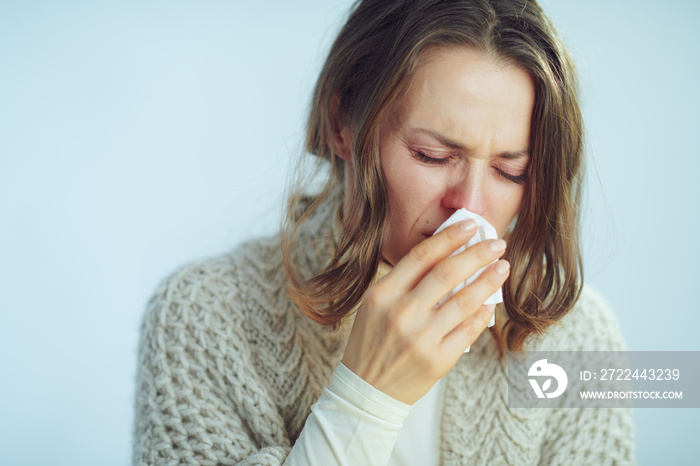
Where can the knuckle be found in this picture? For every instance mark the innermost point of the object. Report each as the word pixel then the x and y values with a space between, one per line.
pixel 464 301
pixel 454 234
pixel 494 279
pixel 469 334
pixel 397 324
pixel 485 253
pixel 472 329
pixel 420 252
pixel 445 271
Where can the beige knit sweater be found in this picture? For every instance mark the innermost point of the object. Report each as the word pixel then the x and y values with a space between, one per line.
pixel 228 369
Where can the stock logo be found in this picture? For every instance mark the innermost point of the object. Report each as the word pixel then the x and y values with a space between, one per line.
pixel 542 368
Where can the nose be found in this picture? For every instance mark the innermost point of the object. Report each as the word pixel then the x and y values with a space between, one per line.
pixel 466 191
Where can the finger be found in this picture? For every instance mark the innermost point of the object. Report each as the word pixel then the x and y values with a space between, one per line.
pixel 423 256
pixel 450 272
pixel 464 316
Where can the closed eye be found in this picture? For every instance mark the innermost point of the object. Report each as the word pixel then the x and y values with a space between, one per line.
pixel 520 179
pixel 427 159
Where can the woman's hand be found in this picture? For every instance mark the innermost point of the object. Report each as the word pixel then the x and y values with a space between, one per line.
pixel 399 342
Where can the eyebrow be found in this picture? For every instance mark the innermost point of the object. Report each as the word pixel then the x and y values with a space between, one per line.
pixel 447 142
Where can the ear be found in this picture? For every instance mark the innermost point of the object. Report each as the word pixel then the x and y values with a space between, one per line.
pixel 340 139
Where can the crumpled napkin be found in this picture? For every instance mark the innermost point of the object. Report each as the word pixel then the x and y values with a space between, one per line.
pixel 485 231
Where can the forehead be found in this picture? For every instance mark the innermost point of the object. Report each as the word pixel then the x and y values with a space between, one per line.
pixel 471 97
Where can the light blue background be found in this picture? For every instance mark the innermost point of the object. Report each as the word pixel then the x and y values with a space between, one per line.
pixel 137 136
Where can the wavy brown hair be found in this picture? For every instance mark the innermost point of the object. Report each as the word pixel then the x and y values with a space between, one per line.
pixel 368 69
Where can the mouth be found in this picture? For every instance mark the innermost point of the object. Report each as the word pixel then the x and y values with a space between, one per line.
pixel 428 234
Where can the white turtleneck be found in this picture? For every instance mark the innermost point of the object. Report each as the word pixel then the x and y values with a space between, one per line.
pixel 354 423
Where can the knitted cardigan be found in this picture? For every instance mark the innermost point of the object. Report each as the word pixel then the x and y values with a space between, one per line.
pixel 228 368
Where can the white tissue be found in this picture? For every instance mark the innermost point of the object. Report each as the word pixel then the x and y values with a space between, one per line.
pixel 484 232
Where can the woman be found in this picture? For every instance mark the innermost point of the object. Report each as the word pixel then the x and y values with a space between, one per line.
pixel 330 349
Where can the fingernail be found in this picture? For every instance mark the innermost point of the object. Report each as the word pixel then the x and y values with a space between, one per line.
pixel 498 245
pixel 502 267
pixel 467 225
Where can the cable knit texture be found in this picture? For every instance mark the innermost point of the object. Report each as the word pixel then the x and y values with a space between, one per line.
pixel 228 369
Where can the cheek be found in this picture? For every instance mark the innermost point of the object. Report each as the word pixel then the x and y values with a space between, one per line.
pixel 510 195
pixel 412 192
pixel 504 203
pixel 409 186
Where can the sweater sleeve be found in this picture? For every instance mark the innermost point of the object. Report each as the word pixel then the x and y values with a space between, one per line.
pixel 351 423
pixel 198 399
pixel 590 436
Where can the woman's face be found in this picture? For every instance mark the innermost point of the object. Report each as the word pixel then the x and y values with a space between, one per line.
pixel 458 138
